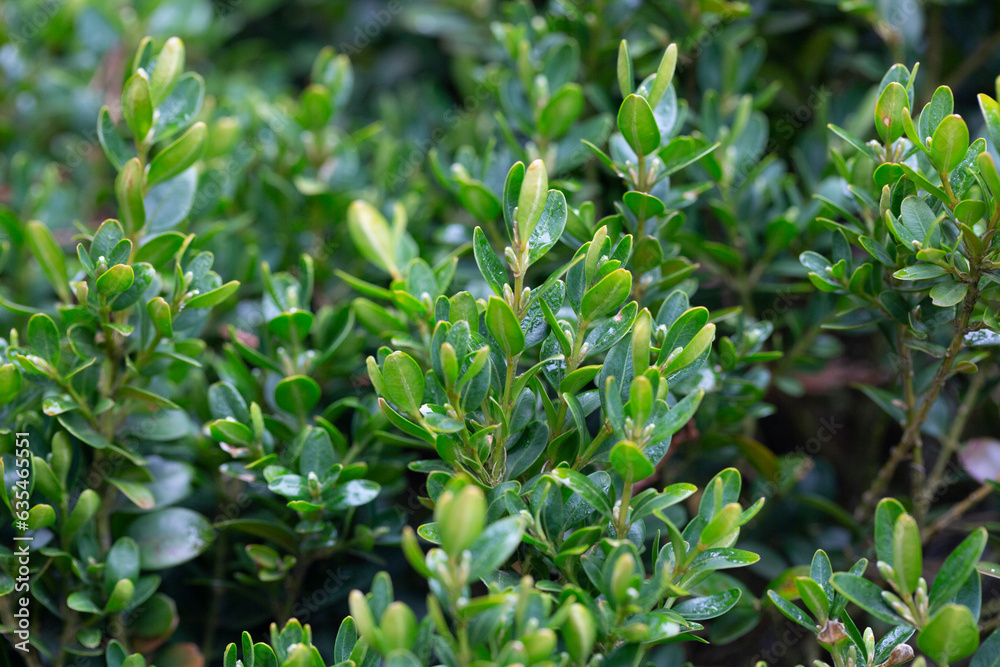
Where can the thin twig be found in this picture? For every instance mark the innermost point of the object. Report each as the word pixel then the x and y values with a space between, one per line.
pixel 956 511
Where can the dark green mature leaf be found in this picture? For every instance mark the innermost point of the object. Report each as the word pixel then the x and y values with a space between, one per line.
pixel 181 107
pixel 495 545
pixel 959 565
pixel 43 337
pixel 710 606
pixel 866 595
pixel 297 394
pixel 941 105
pixel 168 203
pixel 549 229
pixel 170 537
pixel 722 559
pixel 488 262
pixel 791 611
pixel 111 141
pixel 585 487
pixel 988 654
pixel 948 293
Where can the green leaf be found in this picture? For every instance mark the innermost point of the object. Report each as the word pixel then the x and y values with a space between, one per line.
pixel 920 272
pixel 115 280
pixel 121 595
pixel 791 611
pixel 504 327
pixel 626 76
pixel 907 554
pixel 988 654
pixel 561 111
pixel 692 352
pixel 889 112
pixel 49 256
pixel 178 156
pixel 858 144
pixel 214 297
pixel 86 507
pixel 942 104
pixel 959 565
pixel 168 203
pixel 180 109
pixel 532 198
pixel 128 190
pixel 230 431
pixel 950 635
pixel 354 493
pixel 41 516
pixel 710 606
pixel 159 312
pixel 949 293
pixel 139 494
pixel 10 383
pixel 495 545
pixel 638 125
pixel 137 106
pixel 297 394
pixel 122 562
pixel 585 488
pixel 511 195
pixel 664 74
pixel 403 382
pixel 372 236
pixel 82 603
pixel 814 597
pixel 918 224
pixel 170 537
pixel 113 144
pixel 155 620
pixel 950 143
pixel 722 559
pixel 549 229
pixel 167 72
pixel 574 382
pixel 478 200
pixel 347 637
pixel 43 337
pixel 488 262
pixel 866 595
pixel 887 512
pixel 629 461
pixel 607 295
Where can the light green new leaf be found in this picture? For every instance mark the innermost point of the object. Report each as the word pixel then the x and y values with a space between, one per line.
pixel 504 327
pixel 638 125
pixel 403 382
pixel 950 143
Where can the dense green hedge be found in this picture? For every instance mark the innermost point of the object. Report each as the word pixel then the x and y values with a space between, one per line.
pixel 474 333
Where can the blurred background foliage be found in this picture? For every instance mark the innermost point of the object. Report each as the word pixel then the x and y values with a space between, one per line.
pixel 436 83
